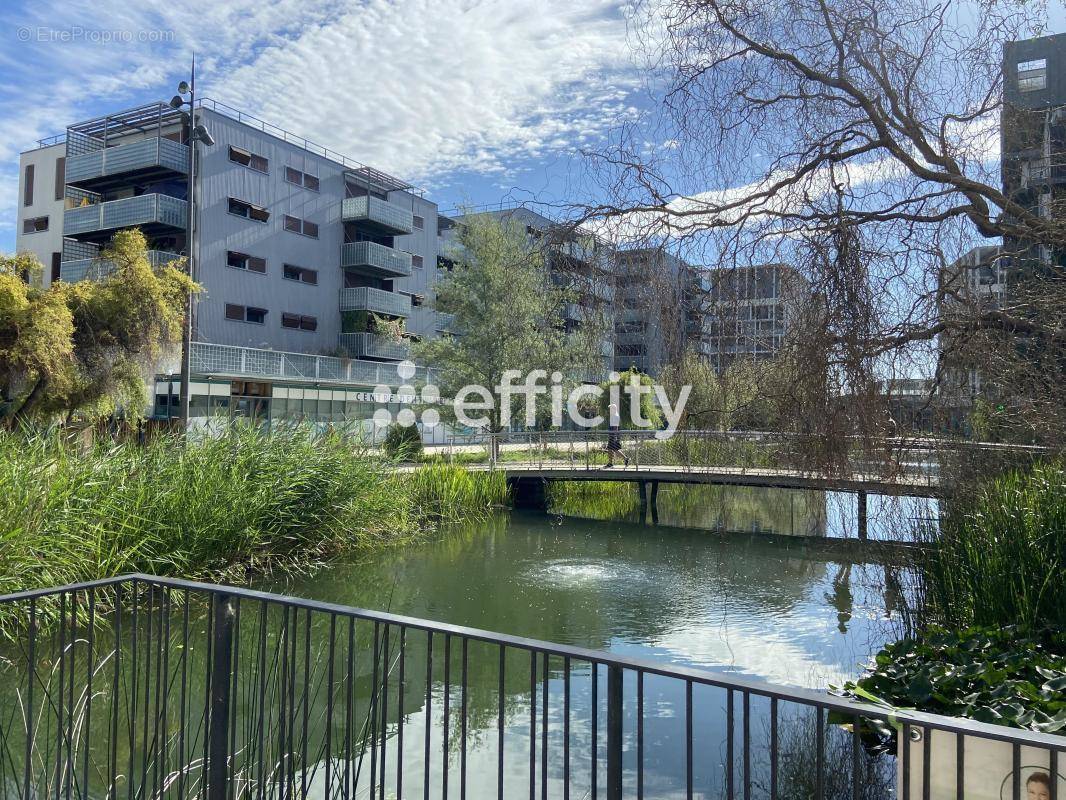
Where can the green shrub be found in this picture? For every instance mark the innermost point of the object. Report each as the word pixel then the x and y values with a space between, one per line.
pixel 211 509
pixel 445 492
pixel 1006 675
pixel 1000 560
pixel 403 442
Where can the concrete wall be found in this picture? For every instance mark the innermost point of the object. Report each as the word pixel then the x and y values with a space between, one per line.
pixel 43 244
pixel 220 231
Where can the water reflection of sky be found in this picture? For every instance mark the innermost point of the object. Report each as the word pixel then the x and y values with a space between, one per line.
pixel 739 604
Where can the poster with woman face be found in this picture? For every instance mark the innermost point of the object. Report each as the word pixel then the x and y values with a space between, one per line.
pixel 987 769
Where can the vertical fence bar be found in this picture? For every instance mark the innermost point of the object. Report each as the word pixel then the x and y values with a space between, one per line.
pixel 385 669
pixel 773 749
pixel 688 740
pixel 544 731
pixel 614 731
pixel 566 727
pixel 400 715
pixel 464 700
pixel 446 696
pixel 729 745
pixel 31 677
pixel 429 715
pixel 219 719
pixel 640 735
pixel 500 724
pixel 532 725
pixel 593 670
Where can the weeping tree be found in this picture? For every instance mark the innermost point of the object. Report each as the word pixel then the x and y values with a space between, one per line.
pixel 856 141
pixel 85 349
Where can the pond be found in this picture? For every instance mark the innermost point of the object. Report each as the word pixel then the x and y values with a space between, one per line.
pixel 785 611
pixel 313 691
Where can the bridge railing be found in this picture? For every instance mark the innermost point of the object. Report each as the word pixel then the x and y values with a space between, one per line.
pixel 693 450
pixel 144 687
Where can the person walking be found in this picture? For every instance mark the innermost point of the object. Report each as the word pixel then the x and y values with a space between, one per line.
pixel 614 437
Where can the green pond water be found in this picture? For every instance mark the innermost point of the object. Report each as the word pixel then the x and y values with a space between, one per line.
pixel 700 585
pixel 696 589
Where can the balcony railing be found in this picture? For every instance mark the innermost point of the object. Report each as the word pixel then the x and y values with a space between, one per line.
pixel 97 268
pixel 445 322
pixel 376 259
pixel 574 311
pixel 145 209
pixel 377 301
pixel 373 345
pixel 148 155
pixel 236 362
pixel 381 214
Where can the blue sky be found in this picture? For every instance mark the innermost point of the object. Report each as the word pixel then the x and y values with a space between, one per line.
pixel 475 100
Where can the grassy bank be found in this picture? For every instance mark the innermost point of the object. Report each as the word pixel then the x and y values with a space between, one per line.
pixel 1001 558
pixel 220 507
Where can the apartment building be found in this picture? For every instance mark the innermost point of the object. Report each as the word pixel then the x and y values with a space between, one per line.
pixel 1033 138
pixel 316 268
pixel 42 189
pixel 977 279
pixel 654 315
pixel 1033 174
pixel 748 311
pixel 580 262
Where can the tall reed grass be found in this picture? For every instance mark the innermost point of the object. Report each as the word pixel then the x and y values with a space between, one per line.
pixel 240 501
pixel 1001 558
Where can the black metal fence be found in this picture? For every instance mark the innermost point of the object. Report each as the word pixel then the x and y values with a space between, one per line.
pixel 141 687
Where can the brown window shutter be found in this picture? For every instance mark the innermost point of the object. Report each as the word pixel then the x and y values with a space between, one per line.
pixel 61 176
pixel 27 189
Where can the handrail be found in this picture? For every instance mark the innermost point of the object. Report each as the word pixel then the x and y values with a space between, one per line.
pixel 648 666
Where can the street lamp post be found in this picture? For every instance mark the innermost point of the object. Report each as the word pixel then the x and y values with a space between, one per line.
pixel 196 133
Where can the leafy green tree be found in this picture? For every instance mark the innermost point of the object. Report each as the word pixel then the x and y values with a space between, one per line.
pixel 84 348
pixel 507 314
pixel 649 408
pixel 749 395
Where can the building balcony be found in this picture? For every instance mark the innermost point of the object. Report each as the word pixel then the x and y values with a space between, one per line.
pixel 377 301
pixel 113 166
pixel 575 312
pixel 376 259
pixel 601 290
pixel 153 212
pixel 378 215
pixel 96 268
pixel 445 322
pixel 373 345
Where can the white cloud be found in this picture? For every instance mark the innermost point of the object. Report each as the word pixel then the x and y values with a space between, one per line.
pixel 432 86
pixel 416 87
